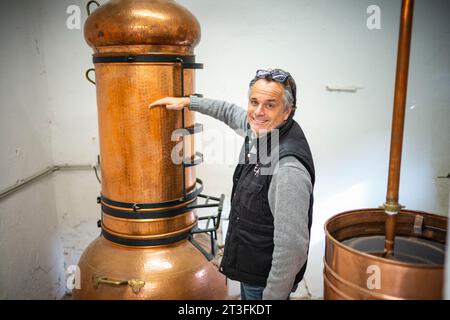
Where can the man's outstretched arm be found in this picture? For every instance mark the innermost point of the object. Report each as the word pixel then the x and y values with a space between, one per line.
pixel 232 115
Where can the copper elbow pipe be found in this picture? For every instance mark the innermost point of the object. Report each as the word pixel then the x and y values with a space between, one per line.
pixel 392 206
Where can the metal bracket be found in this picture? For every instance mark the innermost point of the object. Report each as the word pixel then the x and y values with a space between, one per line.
pixel 354 89
pixel 187 163
pixel 88 6
pixel 154 205
pixel 87 74
pixel 199 157
pixel 215 219
pixel 196 128
pixel 418 225
pixel 96 167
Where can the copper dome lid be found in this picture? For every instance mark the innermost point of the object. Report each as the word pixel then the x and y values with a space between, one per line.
pixel 142 23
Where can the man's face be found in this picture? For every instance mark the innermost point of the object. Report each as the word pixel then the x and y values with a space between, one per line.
pixel 266 106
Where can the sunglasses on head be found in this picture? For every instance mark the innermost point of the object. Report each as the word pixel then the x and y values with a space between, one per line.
pixel 277 75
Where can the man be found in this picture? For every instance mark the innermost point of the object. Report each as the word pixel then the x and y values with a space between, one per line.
pixel 266 246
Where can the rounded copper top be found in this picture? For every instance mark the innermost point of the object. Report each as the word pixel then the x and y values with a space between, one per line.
pixel 142 22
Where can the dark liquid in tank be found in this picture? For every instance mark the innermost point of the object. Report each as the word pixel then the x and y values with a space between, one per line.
pixel 407 249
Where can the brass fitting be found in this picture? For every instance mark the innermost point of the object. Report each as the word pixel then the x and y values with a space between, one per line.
pixel 392 207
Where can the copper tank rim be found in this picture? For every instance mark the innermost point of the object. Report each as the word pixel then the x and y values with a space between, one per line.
pixel 157 236
pixel 149 53
pixel 143 49
pixel 366 255
pixel 181 205
pixel 329 283
pixel 110 217
pixel 124 246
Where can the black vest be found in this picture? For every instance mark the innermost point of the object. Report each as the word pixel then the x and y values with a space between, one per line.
pixel 249 242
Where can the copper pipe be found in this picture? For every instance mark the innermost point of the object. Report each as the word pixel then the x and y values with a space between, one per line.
pixel 398 120
pixel 21 183
pixel 389 241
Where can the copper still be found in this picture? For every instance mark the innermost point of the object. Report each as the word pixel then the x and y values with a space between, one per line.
pixel 387 253
pixel 151 246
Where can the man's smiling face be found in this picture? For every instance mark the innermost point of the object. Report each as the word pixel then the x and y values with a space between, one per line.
pixel 266 110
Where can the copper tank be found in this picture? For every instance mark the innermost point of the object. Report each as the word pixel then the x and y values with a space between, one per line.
pixel 387 253
pixel 354 256
pixel 150 246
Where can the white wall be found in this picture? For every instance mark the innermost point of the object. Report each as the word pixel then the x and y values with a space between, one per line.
pixel 74 131
pixel 320 42
pixel 31 258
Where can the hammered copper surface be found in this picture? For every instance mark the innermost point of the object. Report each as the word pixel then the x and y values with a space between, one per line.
pixel 149 227
pixel 136 142
pixel 175 272
pixel 141 23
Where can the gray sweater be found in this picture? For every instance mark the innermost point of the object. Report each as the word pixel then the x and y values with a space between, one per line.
pixel 289 194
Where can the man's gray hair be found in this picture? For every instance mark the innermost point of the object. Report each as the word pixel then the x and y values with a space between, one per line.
pixel 290 88
pixel 288 99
